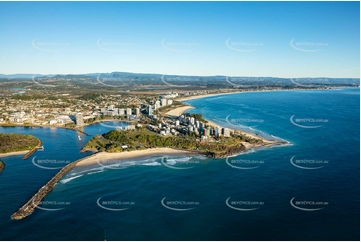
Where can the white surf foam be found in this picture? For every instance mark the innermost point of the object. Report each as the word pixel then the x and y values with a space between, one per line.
pixel 94 172
pixel 181 160
pixel 63 181
pixel 171 162
pixel 152 164
pixel 201 157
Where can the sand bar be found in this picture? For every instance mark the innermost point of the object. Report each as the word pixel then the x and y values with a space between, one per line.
pixel 105 156
pixel 14 153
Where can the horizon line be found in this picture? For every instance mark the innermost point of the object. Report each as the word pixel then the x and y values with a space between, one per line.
pixel 175 75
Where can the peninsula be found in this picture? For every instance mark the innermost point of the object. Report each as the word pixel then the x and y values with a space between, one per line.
pixel 166 131
pixel 174 132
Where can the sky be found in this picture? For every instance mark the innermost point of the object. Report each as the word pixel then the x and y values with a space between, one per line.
pixel 268 39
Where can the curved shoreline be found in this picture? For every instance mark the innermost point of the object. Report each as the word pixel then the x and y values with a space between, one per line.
pixel 106 156
pixel 32 203
pixel 181 99
pixel 100 157
pixel 179 111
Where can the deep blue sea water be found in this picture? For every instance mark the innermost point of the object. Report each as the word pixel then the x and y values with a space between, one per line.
pixel 317 198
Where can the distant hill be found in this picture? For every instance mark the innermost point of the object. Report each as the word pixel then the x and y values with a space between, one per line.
pixel 137 79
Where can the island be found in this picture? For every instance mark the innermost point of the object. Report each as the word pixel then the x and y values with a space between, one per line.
pixel 17 144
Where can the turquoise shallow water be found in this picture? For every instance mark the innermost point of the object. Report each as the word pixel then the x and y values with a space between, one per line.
pixel 259 198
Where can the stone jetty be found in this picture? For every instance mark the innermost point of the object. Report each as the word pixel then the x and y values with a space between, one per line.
pixel 29 207
pixel 27 155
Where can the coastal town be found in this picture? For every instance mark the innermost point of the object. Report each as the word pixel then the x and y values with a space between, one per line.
pixel 67 111
pixel 52 108
pixel 180 120
pixel 156 123
pixel 167 130
pixel 137 110
pixel 159 112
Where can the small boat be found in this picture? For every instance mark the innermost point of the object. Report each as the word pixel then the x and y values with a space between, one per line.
pixel 41 148
pixel 79 137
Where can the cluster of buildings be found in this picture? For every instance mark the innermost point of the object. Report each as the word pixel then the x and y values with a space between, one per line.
pixel 50 112
pixel 169 95
pixel 111 110
pixel 36 118
pixel 187 125
pixel 161 102
pixel 60 112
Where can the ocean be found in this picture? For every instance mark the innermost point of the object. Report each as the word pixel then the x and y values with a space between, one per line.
pixel 307 190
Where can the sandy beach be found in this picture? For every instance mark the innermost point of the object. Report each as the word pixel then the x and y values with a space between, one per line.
pixel 104 156
pixel 178 111
pixel 205 95
pixel 224 93
pixel 14 153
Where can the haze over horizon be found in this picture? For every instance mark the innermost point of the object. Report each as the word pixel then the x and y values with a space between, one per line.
pixel 135 73
pixel 253 39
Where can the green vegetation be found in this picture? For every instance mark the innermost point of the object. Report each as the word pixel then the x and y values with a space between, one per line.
pixel 143 139
pixel 8 125
pixel 90 96
pixel 70 125
pixel 25 97
pixel 17 142
pixel 28 97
